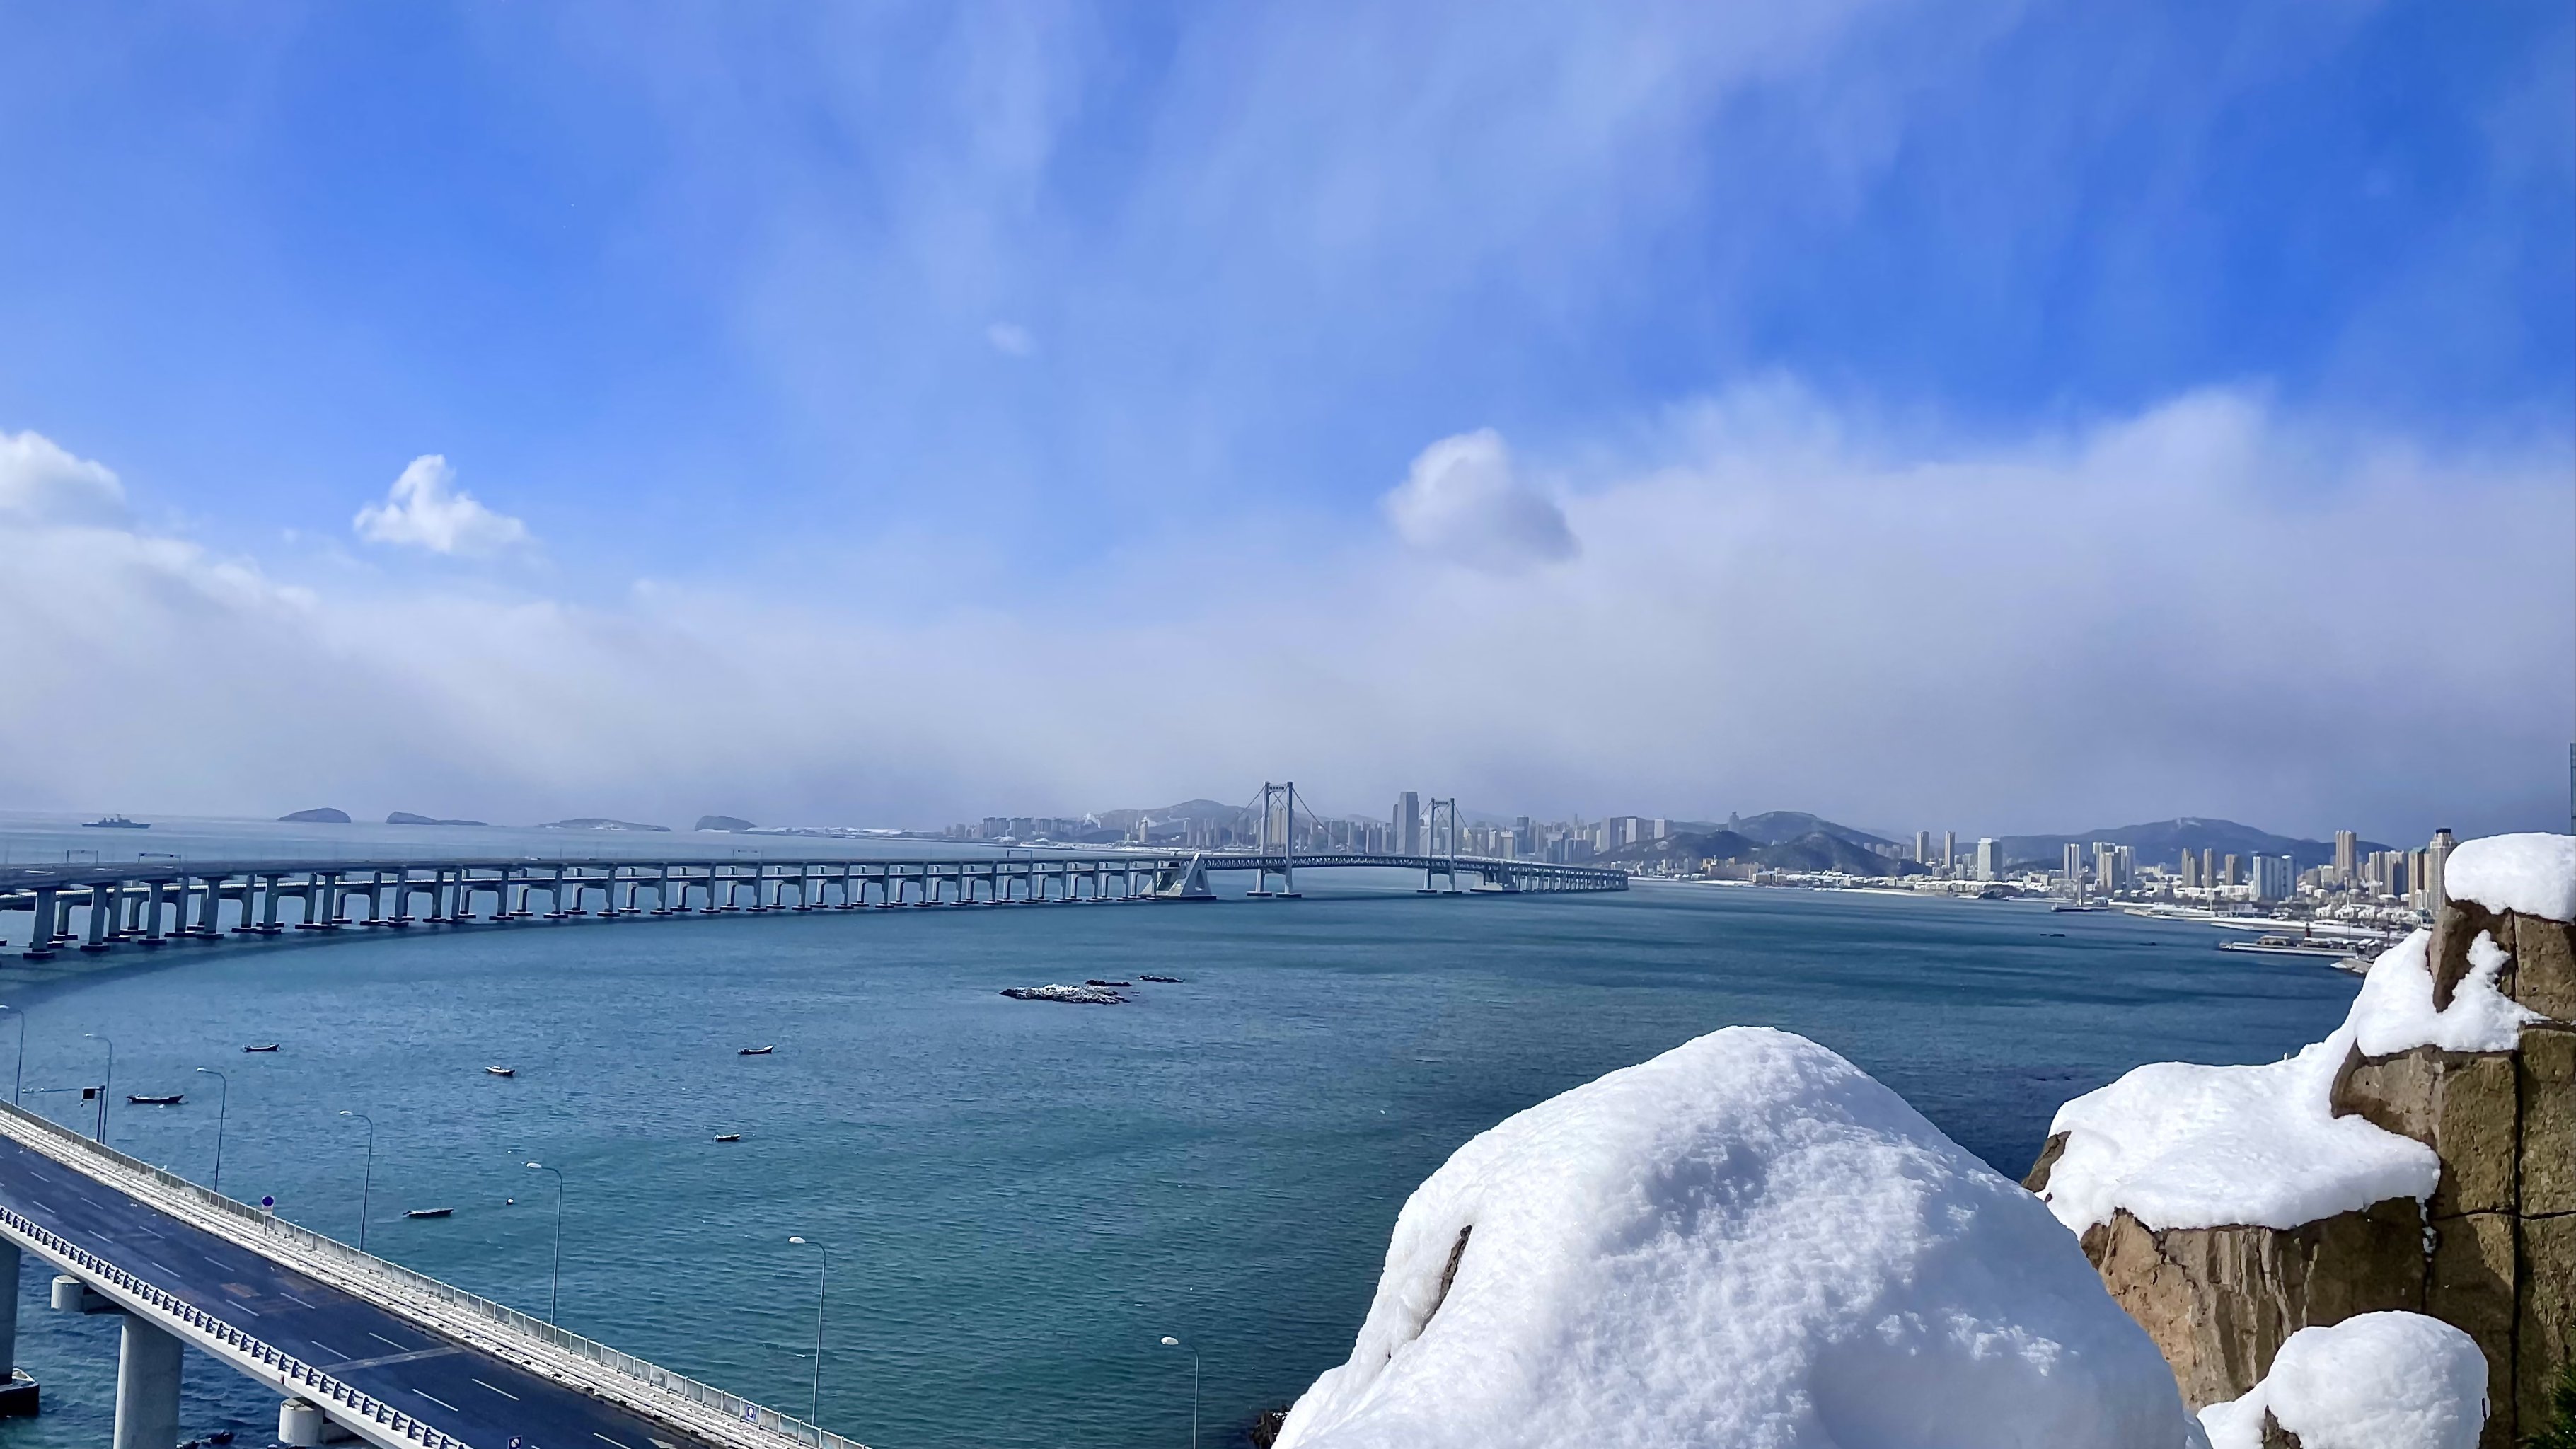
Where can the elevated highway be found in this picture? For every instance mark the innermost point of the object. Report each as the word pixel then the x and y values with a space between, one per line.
pixel 354 1346
pixel 149 904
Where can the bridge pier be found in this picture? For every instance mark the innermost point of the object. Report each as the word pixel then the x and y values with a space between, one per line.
pixel 102 910
pixel 18 1389
pixel 147 1387
pixel 40 932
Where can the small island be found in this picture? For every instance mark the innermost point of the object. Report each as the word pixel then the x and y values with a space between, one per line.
pixel 324 816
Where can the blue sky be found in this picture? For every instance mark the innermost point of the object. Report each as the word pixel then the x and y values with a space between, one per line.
pixel 930 311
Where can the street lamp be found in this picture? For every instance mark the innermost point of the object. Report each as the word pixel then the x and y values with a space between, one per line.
pixel 554 1287
pixel 822 1287
pixel 18 1086
pixel 107 1088
pixel 223 1106
pixel 1171 1342
pixel 367 1183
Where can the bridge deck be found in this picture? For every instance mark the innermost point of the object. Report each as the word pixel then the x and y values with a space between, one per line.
pixel 314 1330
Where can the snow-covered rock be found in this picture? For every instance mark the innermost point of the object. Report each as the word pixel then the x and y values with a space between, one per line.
pixel 2378 1381
pixel 2186 1146
pixel 1744 1242
pixel 2530 875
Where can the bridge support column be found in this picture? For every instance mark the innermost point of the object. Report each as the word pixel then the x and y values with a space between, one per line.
pixel 17 1390
pixel 152 904
pixel 102 911
pixel 40 932
pixel 147 1387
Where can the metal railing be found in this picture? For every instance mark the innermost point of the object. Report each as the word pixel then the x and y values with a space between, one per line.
pixel 308 1380
pixel 394 1284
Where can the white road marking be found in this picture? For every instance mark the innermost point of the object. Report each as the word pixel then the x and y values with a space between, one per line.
pixel 291 1298
pixel 435 1399
pixel 380 1338
pixel 335 1353
pixel 504 1393
pixel 604 1439
pixel 40 1202
pixel 164 1267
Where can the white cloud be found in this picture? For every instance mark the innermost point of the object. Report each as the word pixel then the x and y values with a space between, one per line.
pixel 425 510
pixel 1011 340
pixel 2209 607
pixel 1463 502
pixel 40 483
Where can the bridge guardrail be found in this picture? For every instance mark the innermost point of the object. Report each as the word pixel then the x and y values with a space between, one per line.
pixel 307 1379
pixel 728 1411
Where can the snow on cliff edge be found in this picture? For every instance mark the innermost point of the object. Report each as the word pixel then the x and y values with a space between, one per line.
pixel 2373 1381
pixel 2186 1146
pixel 1744 1242
pixel 2530 875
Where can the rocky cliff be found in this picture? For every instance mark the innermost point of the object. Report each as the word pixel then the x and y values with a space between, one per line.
pixel 2491 1249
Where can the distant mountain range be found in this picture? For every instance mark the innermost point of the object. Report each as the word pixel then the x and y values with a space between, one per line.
pixel 2166 840
pixel 1816 850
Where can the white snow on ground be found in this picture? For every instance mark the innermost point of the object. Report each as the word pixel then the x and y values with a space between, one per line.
pixel 2531 875
pixel 1745 1243
pixel 2394 1012
pixel 2378 1381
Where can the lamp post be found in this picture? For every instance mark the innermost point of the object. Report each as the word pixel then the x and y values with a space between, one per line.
pixel 106 1089
pixel 822 1288
pixel 18 1084
pixel 366 1183
pixel 554 1286
pixel 1171 1342
pixel 223 1107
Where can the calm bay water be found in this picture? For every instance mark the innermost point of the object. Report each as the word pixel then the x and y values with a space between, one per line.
pixel 1019 1199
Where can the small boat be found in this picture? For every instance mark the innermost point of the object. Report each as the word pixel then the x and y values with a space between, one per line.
pixel 728 1137
pixel 429 1212
pixel 173 1100
pixel 503 1071
pixel 756 1051
pixel 269 1046
pixel 115 822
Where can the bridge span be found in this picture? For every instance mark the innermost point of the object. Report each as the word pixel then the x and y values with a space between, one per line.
pixel 354 1346
pixel 152 903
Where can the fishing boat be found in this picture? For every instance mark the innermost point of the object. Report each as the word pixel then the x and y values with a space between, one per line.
pixel 429 1212
pixel 173 1100
pixel 756 1051
pixel 2279 945
pixel 115 822
pixel 503 1071
pixel 266 1046
pixel 728 1137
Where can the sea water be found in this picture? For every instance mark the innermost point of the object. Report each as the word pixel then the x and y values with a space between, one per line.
pixel 1009 1204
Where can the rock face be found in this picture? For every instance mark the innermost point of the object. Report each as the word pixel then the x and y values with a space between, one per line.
pixel 2493 1252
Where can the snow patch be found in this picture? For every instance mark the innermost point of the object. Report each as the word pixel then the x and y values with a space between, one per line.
pixel 1745 1241
pixel 2187 1146
pixel 2529 875
pixel 2377 1381
pixel 2394 1012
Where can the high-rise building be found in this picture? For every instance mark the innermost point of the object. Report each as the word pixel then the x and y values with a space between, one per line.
pixel 2190 875
pixel 1990 859
pixel 1923 847
pixel 1949 851
pixel 2106 866
pixel 2273 877
pixel 2434 856
pixel 2346 867
pixel 2074 869
pixel 2209 867
pixel 1405 830
pixel 2228 873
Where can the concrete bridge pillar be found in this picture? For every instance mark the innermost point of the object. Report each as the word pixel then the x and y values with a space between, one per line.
pixel 212 906
pixel 147 1387
pixel 152 903
pixel 40 931
pixel 102 910
pixel 17 1389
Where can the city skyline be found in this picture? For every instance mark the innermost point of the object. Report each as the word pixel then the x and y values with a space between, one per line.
pixel 912 415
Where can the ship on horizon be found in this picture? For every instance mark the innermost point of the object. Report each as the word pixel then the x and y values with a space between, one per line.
pixel 115 822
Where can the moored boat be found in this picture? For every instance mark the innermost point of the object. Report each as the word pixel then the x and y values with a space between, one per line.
pixel 503 1071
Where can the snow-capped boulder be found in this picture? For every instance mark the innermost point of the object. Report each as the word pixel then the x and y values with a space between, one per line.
pixel 2379 1381
pixel 1744 1242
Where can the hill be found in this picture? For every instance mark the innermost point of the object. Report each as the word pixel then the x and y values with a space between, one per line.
pixel 1779 827
pixel 1814 851
pixel 2164 841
